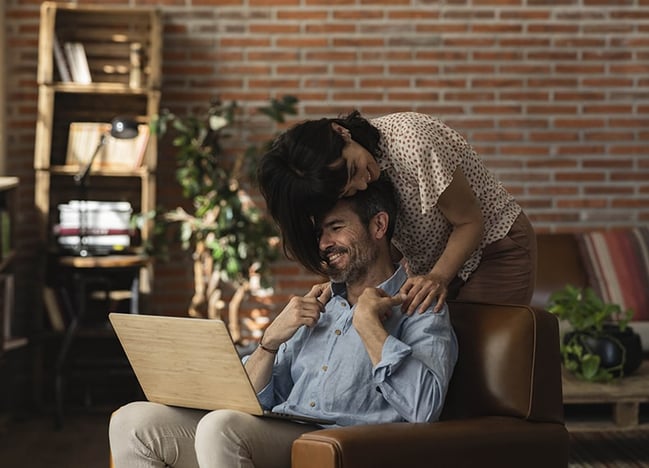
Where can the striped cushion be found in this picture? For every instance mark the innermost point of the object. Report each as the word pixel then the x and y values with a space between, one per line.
pixel 617 263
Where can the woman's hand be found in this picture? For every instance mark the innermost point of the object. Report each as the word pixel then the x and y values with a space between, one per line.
pixel 422 291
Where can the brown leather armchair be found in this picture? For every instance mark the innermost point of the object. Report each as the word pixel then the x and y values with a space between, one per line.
pixel 503 408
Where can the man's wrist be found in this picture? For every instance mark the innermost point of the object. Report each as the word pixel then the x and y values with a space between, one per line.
pixel 267 348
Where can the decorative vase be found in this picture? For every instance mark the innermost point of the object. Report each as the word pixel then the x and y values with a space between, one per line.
pixel 613 348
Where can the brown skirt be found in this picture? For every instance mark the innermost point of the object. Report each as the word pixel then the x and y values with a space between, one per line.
pixel 507 271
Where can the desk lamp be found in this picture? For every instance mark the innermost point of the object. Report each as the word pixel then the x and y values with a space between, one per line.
pixel 122 128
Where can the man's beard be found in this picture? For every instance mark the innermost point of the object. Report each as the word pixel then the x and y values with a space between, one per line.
pixel 360 256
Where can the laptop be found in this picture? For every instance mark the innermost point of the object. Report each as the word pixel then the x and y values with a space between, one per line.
pixel 191 363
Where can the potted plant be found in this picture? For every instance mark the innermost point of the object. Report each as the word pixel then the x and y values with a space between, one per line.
pixel 232 242
pixel 600 345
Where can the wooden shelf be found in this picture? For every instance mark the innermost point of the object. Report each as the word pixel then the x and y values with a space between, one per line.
pixel 7 183
pixel 107 34
pixel 70 170
pixel 120 44
pixel 99 88
pixel 109 261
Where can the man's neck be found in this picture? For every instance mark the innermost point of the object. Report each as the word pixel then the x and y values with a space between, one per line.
pixel 380 271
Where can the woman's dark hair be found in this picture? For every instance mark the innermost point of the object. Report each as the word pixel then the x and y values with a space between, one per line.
pixel 300 178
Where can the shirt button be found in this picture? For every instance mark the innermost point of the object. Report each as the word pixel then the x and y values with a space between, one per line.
pixel 337 332
pixel 324 368
pixel 312 404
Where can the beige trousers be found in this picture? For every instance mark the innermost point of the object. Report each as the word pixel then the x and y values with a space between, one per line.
pixel 145 434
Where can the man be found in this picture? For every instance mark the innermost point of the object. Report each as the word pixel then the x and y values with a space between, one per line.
pixel 357 360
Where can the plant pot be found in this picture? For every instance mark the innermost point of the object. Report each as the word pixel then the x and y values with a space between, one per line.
pixel 612 345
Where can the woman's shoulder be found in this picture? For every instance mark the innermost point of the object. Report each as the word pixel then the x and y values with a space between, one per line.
pixel 414 128
pixel 404 118
pixel 409 123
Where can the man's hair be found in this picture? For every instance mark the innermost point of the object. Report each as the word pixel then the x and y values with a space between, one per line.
pixel 299 179
pixel 379 196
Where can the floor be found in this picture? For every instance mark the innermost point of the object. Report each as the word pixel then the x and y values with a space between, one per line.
pixel 33 442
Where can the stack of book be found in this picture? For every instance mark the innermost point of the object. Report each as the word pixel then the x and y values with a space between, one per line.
pixel 95 226
pixel 72 62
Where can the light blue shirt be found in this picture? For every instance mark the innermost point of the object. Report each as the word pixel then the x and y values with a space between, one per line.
pixel 326 372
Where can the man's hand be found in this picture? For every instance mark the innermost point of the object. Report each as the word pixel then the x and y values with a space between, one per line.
pixel 374 306
pixel 421 292
pixel 299 311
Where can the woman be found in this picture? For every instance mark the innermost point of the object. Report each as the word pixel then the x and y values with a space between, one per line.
pixel 461 234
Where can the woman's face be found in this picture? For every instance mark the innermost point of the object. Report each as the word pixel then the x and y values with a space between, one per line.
pixel 362 168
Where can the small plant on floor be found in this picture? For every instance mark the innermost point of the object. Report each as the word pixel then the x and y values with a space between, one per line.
pixel 593 336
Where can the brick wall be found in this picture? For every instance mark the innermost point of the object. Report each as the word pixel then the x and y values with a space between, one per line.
pixel 554 94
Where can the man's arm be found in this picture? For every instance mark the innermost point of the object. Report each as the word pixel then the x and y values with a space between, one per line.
pixel 373 308
pixel 259 367
pixel 298 312
pixel 412 371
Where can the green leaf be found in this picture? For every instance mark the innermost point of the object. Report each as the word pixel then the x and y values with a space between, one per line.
pixel 590 366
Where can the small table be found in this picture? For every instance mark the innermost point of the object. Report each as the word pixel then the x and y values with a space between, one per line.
pixel 625 394
pixel 84 272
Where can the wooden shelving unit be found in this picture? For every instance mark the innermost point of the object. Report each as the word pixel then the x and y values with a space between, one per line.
pixel 107 34
pixel 122 47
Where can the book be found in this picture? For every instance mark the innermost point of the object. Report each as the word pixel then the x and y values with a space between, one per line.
pixel 60 230
pixel 115 241
pixel 54 310
pixel 116 153
pixel 76 56
pixel 61 63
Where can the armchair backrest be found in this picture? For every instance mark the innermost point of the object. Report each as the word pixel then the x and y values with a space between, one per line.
pixel 508 363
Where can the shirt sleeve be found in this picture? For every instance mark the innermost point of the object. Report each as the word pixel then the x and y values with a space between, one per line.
pixel 415 369
pixel 426 152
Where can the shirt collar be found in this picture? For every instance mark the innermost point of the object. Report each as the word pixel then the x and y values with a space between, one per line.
pixel 391 286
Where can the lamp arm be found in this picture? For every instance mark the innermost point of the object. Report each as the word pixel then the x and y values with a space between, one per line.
pixel 81 176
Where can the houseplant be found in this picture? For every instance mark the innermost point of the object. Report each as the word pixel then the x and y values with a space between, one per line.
pixel 600 345
pixel 232 242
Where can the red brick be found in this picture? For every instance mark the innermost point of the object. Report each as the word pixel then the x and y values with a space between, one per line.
pixel 579 123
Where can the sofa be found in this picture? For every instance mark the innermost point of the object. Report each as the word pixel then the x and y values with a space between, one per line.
pixel 583 260
pixel 503 407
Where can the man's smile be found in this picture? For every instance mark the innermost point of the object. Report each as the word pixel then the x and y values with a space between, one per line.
pixel 333 257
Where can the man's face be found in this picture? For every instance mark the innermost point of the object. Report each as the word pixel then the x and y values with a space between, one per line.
pixel 345 245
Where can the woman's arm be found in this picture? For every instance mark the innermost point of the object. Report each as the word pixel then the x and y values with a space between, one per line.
pixel 462 209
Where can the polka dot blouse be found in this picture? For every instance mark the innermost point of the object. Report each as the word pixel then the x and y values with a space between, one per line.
pixel 419 153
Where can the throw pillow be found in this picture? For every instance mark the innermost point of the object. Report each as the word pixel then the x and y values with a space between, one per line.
pixel 617 264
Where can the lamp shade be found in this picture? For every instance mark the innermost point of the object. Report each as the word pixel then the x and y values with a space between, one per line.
pixel 123 128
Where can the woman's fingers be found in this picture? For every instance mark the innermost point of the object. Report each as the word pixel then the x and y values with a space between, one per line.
pixel 421 293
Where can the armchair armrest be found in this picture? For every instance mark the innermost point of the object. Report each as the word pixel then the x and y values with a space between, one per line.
pixel 490 441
